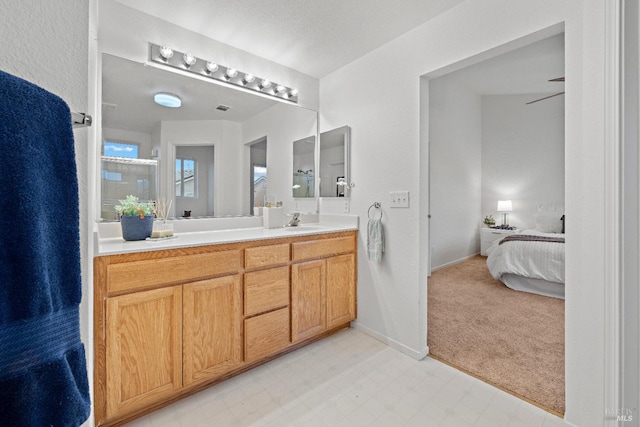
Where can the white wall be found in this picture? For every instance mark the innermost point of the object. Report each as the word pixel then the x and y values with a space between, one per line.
pixel 522 155
pixel 34 33
pixel 387 148
pixel 455 141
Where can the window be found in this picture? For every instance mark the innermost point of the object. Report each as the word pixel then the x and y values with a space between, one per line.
pixel 120 149
pixel 186 178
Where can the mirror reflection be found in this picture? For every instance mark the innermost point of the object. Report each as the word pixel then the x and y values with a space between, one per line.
pixel 196 155
pixel 303 167
pixel 334 162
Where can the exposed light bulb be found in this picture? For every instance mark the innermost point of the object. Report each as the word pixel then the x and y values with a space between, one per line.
pixel 231 73
pixel 188 59
pixel 266 84
pixel 280 89
pixel 166 52
pixel 212 67
pixel 248 78
pixel 293 92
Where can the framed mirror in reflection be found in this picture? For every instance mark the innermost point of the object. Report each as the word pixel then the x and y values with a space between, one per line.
pixel 334 163
pixel 304 161
pixel 196 155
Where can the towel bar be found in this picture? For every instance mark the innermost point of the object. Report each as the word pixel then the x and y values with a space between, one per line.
pixel 81 120
pixel 376 205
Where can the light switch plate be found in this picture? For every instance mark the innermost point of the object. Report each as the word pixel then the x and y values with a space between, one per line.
pixel 399 199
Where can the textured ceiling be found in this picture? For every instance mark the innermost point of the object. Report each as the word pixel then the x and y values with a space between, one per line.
pixel 315 37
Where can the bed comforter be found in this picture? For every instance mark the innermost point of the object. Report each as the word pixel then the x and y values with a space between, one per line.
pixel 536 259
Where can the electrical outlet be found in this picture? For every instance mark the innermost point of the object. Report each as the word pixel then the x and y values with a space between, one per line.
pixel 399 199
pixel 347 207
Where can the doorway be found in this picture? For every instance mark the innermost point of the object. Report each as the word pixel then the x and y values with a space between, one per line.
pixel 257 173
pixel 485 143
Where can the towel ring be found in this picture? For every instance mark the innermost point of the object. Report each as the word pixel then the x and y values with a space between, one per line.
pixel 376 205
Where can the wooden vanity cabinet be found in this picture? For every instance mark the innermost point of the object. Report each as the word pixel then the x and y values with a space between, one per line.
pixel 266 304
pixel 212 327
pixel 341 289
pixel 308 299
pixel 144 348
pixel 169 323
pixel 323 291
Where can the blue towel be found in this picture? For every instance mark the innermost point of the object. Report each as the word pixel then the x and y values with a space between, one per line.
pixel 43 373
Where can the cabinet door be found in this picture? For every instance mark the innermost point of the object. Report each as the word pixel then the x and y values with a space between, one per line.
pixel 266 334
pixel 144 348
pixel 341 290
pixel 212 327
pixel 308 299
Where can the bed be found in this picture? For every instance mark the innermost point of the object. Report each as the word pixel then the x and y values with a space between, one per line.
pixel 530 261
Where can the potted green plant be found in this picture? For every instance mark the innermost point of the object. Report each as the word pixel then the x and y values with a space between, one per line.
pixel 136 218
pixel 489 221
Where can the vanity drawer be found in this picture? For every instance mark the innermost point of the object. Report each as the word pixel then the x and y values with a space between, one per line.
pixel 265 256
pixel 266 290
pixel 266 334
pixel 154 272
pixel 322 248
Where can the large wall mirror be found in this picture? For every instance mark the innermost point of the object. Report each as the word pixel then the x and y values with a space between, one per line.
pixel 196 155
pixel 334 163
pixel 304 164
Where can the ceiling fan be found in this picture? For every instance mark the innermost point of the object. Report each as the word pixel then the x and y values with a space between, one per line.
pixel 558 79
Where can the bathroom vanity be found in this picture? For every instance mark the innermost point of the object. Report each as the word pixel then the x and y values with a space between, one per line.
pixel 172 321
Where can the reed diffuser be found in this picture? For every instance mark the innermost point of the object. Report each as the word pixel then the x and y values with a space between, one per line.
pixel 162 228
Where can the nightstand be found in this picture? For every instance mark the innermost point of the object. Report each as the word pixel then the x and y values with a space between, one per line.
pixel 490 235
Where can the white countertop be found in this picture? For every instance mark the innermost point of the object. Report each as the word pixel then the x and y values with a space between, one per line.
pixel 116 245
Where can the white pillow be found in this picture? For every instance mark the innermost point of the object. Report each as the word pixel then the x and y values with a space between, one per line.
pixel 549 222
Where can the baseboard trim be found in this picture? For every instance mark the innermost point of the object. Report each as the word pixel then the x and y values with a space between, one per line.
pixel 458 261
pixel 418 355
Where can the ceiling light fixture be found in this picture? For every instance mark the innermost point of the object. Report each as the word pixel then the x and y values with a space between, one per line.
pixel 186 62
pixel 167 100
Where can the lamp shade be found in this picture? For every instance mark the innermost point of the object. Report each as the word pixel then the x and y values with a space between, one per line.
pixel 505 206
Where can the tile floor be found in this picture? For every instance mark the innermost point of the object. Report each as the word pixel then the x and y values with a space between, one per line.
pixel 350 380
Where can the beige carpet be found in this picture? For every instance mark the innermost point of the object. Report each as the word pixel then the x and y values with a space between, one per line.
pixel 511 339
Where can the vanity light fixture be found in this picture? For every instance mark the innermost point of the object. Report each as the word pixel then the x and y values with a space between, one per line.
pixel 167 100
pixel 203 68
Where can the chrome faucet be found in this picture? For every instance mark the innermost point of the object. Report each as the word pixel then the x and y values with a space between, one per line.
pixel 295 219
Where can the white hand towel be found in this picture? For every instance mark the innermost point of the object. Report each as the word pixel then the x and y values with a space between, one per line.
pixel 375 240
